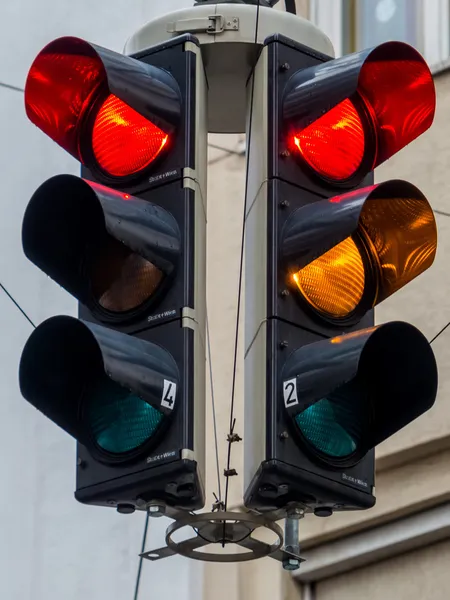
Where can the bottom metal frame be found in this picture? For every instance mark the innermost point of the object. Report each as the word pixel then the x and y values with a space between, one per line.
pixel 223 528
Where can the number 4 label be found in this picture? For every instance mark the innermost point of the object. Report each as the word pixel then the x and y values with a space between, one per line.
pixel 169 394
pixel 290 392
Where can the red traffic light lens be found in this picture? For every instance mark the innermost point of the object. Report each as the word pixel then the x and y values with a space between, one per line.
pixel 345 117
pixel 123 141
pixel 59 89
pixel 104 108
pixel 397 85
pixel 334 144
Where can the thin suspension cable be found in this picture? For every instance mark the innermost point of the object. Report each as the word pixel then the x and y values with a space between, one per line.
pixel 228 150
pixel 218 159
pixel 17 305
pixel 441 212
pixel 208 342
pixel 440 333
pixel 144 540
pixel 11 87
pixel 238 312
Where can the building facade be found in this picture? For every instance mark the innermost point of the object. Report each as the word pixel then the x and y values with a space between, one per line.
pixel 52 547
pixel 399 549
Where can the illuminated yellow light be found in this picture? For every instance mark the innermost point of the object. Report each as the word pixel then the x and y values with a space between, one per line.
pixel 333 284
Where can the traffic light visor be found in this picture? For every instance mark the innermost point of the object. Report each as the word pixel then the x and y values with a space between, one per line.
pixel 346 116
pixel 110 250
pixel 111 112
pixel 354 391
pixel 346 254
pixel 104 388
pixel 62 84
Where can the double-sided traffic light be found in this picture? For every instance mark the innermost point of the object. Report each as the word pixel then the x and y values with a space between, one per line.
pixel 127 240
pixel 323 385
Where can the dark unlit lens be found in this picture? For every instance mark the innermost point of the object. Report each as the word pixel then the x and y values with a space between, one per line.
pixel 334 425
pixel 119 420
pixel 123 280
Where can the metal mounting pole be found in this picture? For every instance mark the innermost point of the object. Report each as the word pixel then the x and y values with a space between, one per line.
pixel 291 542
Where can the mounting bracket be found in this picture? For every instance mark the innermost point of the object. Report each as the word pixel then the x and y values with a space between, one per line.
pixel 224 528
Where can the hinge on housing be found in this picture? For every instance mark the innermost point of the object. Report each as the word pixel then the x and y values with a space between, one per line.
pixel 213 24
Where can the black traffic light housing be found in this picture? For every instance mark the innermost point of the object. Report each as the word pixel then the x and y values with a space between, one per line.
pixel 128 241
pixel 303 205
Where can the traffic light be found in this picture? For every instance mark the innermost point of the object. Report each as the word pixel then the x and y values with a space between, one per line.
pixel 127 240
pixel 324 246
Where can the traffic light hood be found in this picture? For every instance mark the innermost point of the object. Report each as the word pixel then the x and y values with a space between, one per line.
pixel 379 238
pixel 89 238
pixel 68 365
pixel 366 385
pixel 76 91
pixel 365 106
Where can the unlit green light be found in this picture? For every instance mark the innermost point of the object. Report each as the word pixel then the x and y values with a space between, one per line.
pixel 331 427
pixel 119 420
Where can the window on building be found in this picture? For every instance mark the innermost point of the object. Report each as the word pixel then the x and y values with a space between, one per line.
pixel 371 22
pixel 356 24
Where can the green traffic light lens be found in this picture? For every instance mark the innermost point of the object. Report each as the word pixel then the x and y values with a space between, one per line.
pixel 119 420
pixel 333 425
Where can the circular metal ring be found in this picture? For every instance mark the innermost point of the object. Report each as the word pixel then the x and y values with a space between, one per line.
pixel 206 519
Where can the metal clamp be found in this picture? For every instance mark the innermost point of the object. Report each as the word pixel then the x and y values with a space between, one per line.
pixel 212 25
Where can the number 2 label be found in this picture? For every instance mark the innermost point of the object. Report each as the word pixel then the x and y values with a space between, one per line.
pixel 290 392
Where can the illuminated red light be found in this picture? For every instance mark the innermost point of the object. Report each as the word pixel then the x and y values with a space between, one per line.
pixel 334 144
pixel 123 141
pixel 59 89
pixel 391 101
pixel 66 82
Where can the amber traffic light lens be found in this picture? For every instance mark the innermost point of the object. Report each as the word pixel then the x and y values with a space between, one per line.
pixel 123 141
pixel 121 279
pixel 403 236
pixel 334 144
pixel 333 284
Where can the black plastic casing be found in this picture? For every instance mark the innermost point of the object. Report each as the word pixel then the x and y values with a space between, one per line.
pixel 162 473
pixel 290 472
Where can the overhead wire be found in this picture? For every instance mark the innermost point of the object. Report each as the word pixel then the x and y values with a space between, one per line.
pixel 241 264
pixel 17 305
pixel 141 558
pixel 439 333
pixel 8 86
pixel 441 212
pixel 216 442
